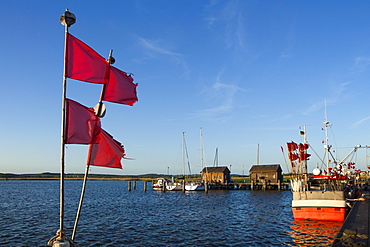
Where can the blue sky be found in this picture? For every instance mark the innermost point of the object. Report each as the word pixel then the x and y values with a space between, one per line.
pixel 246 72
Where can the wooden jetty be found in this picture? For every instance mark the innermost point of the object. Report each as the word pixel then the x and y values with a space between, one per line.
pixel 355 229
pixel 251 186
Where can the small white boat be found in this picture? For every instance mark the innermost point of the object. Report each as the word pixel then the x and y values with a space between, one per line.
pixel 159 184
pixel 165 184
pixel 194 186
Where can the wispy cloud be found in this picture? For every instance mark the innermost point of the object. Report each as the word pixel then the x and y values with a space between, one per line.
pixel 360 122
pixel 361 65
pixel 157 49
pixel 225 94
pixel 338 94
pixel 230 22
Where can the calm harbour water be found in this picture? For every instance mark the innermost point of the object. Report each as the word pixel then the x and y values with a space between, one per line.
pixel 113 216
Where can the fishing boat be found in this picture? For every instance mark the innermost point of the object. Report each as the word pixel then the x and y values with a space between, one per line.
pixel 322 195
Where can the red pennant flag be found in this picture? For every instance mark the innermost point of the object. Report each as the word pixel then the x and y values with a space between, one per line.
pixel 82 125
pixel 108 152
pixel 120 88
pixel 85 64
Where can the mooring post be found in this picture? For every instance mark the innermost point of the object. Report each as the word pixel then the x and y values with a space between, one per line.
pixel 144 186
pixel 129 186
pixel 251 184
pixel 134 185
pixel 279 185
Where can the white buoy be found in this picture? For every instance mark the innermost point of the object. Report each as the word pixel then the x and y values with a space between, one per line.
pixel 61 244
pixel 316 171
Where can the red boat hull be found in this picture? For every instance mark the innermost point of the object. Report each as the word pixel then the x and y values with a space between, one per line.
pixel 320 213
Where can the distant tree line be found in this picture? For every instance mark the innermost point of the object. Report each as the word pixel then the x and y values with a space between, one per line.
pixel 49 175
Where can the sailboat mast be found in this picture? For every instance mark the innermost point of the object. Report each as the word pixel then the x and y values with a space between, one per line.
pixel 201 150
pixel 215 162
pixel 183 154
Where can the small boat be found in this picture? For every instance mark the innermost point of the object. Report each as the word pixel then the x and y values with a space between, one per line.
pixel 194 186
pixel 159 184
pixel 165 184
pixel 323 195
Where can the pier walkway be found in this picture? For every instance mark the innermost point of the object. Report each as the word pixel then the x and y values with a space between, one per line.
pixel 355 229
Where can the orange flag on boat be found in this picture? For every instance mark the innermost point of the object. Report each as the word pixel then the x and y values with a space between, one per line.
pixel 107 152
pixel 85 64
pixel 82 125
pixel 120 88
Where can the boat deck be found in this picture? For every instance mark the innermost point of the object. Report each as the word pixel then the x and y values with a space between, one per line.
pixel 355 229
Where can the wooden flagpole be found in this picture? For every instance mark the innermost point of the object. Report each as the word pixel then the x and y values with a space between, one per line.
pixel 67 19
pixel 100 112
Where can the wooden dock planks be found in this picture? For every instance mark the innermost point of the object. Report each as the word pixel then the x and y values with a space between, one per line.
pixel 355 229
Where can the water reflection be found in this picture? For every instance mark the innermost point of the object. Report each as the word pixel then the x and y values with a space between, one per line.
pixel 314 233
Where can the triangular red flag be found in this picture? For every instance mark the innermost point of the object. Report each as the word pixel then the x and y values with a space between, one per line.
pixel 108 152
pixel 82 125
pixel 120 88
pixel 85 64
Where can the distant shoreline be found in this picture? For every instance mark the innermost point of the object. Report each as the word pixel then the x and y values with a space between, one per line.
pixel 118 179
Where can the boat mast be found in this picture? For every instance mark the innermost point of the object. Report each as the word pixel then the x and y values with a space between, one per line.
pixel 183 154
pixel 202 159
pixel 215 162
pixel 304 165
pixel 327 146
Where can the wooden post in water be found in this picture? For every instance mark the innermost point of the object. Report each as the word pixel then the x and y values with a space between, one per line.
pixel 206 187
pixel 134 185
pixel 144 186
pixel 129 186
pixel 264 185
pixel 251 184
pixel 279 185
pixel 183 185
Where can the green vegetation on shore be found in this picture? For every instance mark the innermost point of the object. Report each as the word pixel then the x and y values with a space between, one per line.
pixel 76 176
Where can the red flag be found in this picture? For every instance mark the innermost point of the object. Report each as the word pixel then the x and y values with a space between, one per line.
pixel 108 152
pixel 85 64
pixel 292 146
pixel 82 125
pixel 120 88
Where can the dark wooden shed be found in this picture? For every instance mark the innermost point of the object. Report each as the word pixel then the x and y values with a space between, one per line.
pixel 266 173
pixel 216 175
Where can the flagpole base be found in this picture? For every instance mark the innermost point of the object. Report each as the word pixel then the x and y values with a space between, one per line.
pixel 61 240
pixel 61 244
